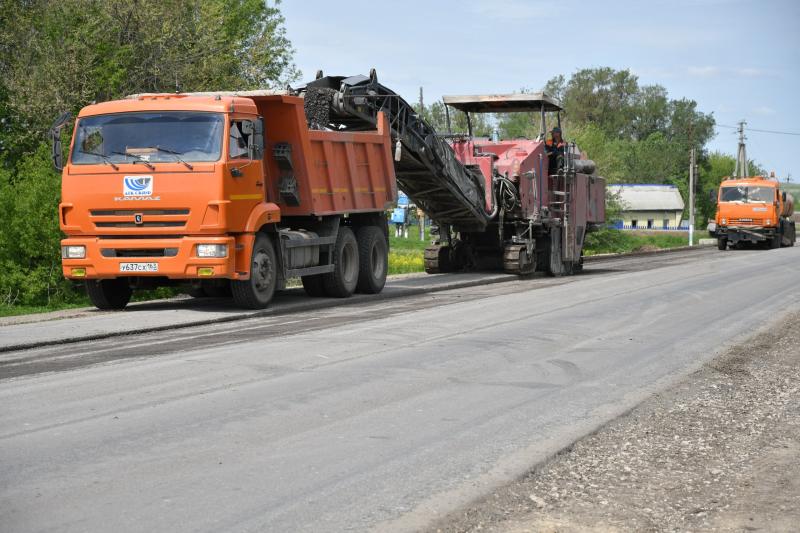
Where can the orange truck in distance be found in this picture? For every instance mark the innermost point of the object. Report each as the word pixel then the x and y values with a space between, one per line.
pixel 231 193
pixel 754 210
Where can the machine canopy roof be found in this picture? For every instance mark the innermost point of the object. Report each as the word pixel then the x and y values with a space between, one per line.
pixel 503 103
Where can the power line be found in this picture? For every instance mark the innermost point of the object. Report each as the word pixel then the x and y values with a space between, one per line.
pixel 760 131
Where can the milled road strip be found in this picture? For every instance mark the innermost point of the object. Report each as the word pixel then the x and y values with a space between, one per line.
pixel 75 355
pixel 718 452
pixel 149 317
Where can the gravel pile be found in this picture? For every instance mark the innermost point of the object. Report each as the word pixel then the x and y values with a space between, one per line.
pixel 719 452
pixel 317 105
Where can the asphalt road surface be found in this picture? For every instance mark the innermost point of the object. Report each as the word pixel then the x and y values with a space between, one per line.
pixel 385 414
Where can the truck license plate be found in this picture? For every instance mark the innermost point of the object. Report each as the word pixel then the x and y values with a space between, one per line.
pixel 138 267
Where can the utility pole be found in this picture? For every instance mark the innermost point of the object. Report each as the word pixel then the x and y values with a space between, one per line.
pixel 691 197
pixel 741 170
pixel 420 212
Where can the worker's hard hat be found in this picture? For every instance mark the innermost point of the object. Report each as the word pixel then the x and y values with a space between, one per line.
pixel 556 130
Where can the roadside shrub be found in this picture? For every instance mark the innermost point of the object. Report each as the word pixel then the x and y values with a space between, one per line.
pixel 30 253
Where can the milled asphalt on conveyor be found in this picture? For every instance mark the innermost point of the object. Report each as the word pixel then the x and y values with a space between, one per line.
pixel 378 415
pixel 69 326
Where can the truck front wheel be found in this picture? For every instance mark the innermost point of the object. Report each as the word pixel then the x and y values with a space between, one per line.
pixel 109 294
pixel 722 243
pixel 341 283
pixel 373 259
pixel 257 292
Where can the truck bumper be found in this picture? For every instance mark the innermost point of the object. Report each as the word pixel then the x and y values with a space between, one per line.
pixel 173 258
pixel 736 234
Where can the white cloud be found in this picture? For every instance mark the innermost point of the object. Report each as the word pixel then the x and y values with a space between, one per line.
pixel 704 72
pixel 764 110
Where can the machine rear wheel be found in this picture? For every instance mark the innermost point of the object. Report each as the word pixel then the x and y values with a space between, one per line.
pixel 373 260
pixel 577 268
pixel 437 259
pixel 257 292
pixel 342 282
pixel 555 264
pixel 517 261
pixel 109 294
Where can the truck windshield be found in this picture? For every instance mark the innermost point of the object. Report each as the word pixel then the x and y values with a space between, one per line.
pixel 154 137
pixel 747 194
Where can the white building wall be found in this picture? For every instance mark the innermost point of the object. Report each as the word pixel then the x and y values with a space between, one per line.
pixel 651 219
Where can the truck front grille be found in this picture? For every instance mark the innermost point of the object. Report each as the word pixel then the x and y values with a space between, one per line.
pixel 139 252
pixel 165 224
pixel 131 212
pixel 139 218
pixel 746 222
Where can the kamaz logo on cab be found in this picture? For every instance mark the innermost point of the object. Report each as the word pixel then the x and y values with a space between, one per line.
pixel 137 186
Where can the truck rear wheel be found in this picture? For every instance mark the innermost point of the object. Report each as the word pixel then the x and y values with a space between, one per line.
pixel 109 294
pixel 722 243
pixel 342 282
pixel 373 260
pixel 256 292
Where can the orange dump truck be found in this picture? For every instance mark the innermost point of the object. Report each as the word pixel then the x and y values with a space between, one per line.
pixel 231 193
pixel 754 210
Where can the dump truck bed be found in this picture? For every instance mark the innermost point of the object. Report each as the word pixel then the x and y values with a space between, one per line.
pixel 332 172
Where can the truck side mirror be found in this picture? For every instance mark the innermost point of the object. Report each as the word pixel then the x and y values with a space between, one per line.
pixel 255 144
pixel 712 195
pixel 55 139
pixel 783 196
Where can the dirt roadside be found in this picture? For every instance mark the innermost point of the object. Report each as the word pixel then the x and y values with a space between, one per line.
pixel 718 452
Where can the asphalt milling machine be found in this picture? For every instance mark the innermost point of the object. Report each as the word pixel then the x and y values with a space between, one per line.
pixel 495 204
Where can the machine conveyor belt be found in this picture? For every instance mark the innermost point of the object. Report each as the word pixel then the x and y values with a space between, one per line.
pixel 427 169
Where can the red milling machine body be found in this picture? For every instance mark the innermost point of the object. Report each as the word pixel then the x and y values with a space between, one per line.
pixel 544 205
pixel 495 203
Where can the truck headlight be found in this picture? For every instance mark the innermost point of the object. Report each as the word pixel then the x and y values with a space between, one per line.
pixel 724 220
pixel 212 250
pixel 73 252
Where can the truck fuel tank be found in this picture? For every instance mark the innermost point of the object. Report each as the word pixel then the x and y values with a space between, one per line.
pixel 297 255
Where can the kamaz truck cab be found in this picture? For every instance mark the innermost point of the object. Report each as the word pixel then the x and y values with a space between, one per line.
pixel 230 193
pixel 753 210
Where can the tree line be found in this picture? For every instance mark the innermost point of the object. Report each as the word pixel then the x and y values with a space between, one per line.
pixel 60 55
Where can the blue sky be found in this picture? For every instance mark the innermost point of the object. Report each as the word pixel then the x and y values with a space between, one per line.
pixel 737 59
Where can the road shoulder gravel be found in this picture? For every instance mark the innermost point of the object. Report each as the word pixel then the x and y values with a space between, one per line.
pixel 720 451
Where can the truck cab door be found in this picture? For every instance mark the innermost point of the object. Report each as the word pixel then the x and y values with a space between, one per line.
pixel 245 170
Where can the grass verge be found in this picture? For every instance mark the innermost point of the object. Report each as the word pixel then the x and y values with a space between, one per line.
pixel 611 241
